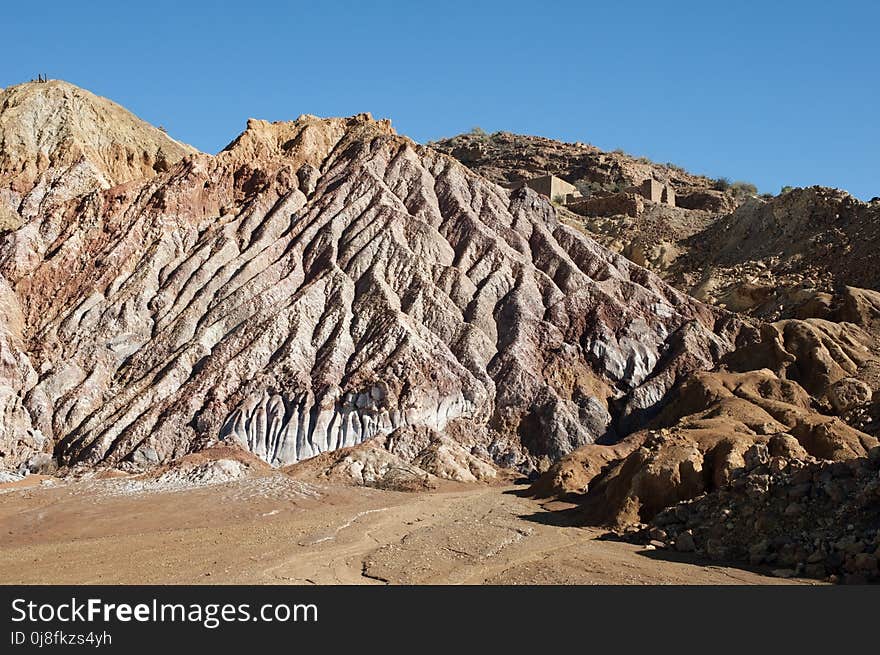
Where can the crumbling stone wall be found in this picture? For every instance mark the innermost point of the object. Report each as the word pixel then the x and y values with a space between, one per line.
pixel 551 186
pixel 651 189
pixel 629 204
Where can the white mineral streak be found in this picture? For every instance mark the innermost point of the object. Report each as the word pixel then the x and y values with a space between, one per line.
pixel 284 431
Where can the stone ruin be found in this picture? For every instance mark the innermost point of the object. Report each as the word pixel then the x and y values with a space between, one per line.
pixel 551 186
pixel 655 191
pixel 628 204
pixel 630 201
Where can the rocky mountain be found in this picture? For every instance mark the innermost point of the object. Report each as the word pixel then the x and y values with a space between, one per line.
pixel 801 382
pixel 507 158
pixel 770 457
pixel 345 304
pixel 316 284
pixel 58 142
pixel 786 256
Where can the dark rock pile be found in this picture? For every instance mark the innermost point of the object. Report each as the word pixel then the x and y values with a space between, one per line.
pixel 816 519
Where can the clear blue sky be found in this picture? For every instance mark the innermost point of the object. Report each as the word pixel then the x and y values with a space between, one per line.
pixel 771 92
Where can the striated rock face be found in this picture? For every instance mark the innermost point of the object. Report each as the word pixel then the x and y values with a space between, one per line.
pixel 653 235
pixel 796 386
pixel 57 143
pixel 770 257
pixel 319 283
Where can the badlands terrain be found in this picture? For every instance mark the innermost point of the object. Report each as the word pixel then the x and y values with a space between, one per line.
pixel 331 354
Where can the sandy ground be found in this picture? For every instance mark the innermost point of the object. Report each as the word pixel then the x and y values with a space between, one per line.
pixel 272 529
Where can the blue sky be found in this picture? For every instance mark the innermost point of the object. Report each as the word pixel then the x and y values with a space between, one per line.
pixel 775 93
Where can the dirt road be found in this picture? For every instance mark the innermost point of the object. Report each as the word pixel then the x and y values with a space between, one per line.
pixel 276 530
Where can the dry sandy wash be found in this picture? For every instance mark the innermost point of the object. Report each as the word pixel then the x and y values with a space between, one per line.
pixel 272 529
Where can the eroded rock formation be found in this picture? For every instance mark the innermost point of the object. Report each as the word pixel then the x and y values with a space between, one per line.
pixel 784 256
pixel 316 284
pixel 697 444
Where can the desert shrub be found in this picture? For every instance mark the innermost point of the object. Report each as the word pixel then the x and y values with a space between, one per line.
pixel 586 188
pixel 786 189
pixel 721 184
pixel 743 189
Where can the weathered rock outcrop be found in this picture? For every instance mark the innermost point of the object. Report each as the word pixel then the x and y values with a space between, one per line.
pixel 767 256
pixel 57 144
pixel 778 257
pixel 319 283
pixel 697 444
pixel 507 158
pixel 410 458
pixel 58 141
pixel 805 231
pixel 814 352
pixel 652 234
